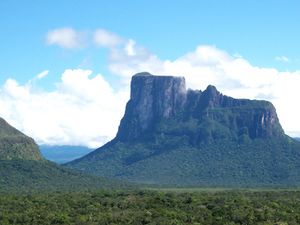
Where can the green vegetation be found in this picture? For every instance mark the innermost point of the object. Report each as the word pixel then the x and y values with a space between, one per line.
pixel 35 176
pixel 173 161
pixel 235 123
pixel 153 207
pixel 22 168
pixel 16 145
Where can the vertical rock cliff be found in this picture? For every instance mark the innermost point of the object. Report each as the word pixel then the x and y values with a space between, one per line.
pixel 152 99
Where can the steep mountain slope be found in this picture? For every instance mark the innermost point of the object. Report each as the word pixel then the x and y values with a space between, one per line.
pixel 16 145
pixel 173 136
pixel 22 168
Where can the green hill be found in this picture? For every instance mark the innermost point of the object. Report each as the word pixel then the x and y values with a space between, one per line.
pixel 22 168
pixel 178 137
pixel 36 176
pixel 16 145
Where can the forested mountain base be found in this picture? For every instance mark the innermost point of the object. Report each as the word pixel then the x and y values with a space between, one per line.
pixel 173 162
pixel 153 207
pixel 25 176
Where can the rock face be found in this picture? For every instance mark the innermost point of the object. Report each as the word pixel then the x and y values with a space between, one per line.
pixel 157 98
pixel 173 136
pixel 16 145
pixel 152 99
pixel 257 119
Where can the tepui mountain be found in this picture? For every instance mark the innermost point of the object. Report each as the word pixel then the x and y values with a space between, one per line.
pixel 173 136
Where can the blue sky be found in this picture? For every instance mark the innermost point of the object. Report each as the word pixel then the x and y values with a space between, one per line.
pixel 265 34
pixel 258 30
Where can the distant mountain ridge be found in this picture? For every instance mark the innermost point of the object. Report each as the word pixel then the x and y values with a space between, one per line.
pixel 63 154
pixel 173 136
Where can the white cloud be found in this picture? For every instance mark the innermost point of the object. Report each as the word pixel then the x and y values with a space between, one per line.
pixel 70 38
pixel 42 74
pixel 82 110
pixel 104 38
pixel 282 59
pixel 65 38
pixel 232 75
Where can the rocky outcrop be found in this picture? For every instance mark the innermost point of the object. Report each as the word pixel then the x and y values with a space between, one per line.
pixel 257 119
pixel 157 98
pixel 152 98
